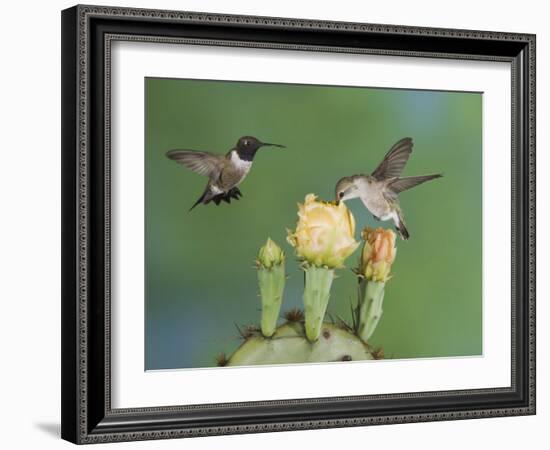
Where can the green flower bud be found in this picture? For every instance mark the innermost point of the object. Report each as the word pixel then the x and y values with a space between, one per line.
pixel 270 255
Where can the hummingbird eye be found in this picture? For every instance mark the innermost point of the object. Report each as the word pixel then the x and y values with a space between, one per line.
pixel 341 195
pixel 246 142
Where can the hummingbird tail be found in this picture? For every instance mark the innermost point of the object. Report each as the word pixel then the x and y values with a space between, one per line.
pixel 403 232
pixel 402 228
pixel 197 202
pixel 205 198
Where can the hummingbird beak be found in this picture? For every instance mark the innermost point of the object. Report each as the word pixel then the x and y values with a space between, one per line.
pixel 267 144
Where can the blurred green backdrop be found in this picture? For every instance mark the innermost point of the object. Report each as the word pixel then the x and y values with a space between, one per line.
pixel 200 279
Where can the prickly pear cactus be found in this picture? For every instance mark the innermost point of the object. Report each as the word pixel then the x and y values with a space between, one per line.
pixel 289 344
pixel 323 239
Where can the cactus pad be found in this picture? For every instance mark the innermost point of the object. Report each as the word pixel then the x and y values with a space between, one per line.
pixel 289 345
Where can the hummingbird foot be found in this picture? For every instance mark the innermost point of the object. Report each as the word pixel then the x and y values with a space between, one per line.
pixel 227 196
pixel 207 197
pixel 235 193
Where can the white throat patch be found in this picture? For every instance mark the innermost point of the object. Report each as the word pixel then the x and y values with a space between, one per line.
pixel 239 163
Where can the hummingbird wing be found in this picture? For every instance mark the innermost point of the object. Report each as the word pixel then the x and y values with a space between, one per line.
pixel 394 162
pixel 402 184
pixel 203 163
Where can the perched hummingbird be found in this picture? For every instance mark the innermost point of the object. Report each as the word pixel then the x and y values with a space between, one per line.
pixel 379 191
pixel 224 172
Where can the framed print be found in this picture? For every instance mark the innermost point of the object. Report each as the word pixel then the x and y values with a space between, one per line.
pixel 282 224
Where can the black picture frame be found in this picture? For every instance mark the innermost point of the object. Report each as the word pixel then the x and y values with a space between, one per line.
pixel 87 415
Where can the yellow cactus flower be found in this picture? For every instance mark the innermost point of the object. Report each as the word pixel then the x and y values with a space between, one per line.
pixel 324 235
pixel 378 254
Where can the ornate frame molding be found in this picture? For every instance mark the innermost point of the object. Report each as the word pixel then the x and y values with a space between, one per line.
pixel 84 421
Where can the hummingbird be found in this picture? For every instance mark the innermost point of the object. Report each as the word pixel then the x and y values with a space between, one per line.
pixel 224 172
pixel 379 190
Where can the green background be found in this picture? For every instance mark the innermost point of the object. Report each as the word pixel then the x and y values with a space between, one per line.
pixel 200 279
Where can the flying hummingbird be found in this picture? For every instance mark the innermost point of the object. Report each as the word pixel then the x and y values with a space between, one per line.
pixel 379 191
pixel 224 172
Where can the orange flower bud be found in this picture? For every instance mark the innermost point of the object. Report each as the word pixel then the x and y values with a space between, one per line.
pixel 378 253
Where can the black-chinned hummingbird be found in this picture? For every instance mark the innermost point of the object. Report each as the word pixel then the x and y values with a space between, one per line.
pixel 379 191
pixel 224 172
